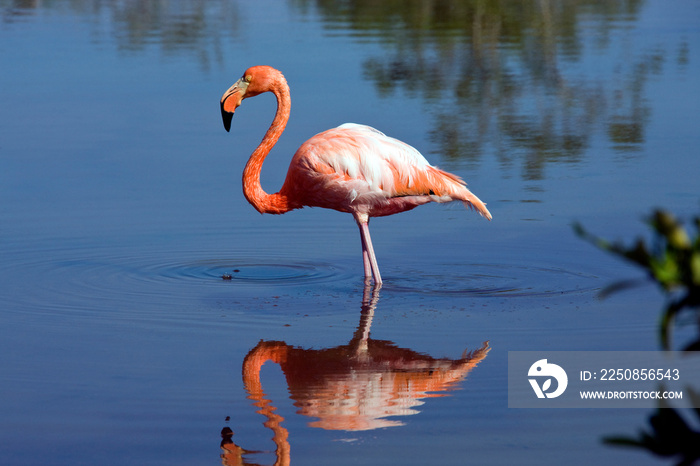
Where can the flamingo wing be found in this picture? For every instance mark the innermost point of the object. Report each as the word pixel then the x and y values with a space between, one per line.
pixel 356 168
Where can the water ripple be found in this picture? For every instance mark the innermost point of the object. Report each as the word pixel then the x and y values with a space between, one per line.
pixel 250 271
pixel 496 280
pixel 114 280
pixel 133 283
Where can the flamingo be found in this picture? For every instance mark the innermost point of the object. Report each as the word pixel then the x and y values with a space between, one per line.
pixel 352 168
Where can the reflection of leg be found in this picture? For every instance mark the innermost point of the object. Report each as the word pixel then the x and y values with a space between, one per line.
pixel 368 257
pixel 370 297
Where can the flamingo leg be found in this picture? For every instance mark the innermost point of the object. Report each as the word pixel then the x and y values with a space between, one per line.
pixel 368 257
pixel 365 258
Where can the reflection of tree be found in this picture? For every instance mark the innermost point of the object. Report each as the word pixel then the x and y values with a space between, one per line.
pixel 350 387
pixel 506 75
pixel 183 26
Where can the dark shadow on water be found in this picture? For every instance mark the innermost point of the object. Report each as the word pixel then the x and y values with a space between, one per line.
pixel 351 387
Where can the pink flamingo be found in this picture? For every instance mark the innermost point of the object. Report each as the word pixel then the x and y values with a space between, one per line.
pixel 352 168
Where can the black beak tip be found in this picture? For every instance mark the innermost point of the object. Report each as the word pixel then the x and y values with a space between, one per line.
pixel 226 117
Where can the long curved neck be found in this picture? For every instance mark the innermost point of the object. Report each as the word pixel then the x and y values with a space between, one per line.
pixel 276 352
pixel 268 203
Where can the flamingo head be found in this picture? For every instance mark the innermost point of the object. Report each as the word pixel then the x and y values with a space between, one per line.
pixel 255 80
pixel 232 98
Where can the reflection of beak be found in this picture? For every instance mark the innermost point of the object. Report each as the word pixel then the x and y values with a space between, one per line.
pixel 230 101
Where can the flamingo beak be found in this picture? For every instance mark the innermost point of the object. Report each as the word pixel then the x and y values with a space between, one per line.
pixel 230 101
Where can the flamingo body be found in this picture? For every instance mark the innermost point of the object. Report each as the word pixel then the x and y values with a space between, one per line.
pixel 358 169
pixel 352 168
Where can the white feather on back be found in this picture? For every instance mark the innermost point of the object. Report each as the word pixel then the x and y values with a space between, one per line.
pixel 365 154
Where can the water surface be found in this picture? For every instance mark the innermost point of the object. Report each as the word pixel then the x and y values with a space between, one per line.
pixel 122 209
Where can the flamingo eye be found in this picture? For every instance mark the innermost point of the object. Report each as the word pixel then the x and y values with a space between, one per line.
pixel 248 78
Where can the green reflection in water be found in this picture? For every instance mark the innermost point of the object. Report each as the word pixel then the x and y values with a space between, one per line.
pixel 194 27
pixel 532 82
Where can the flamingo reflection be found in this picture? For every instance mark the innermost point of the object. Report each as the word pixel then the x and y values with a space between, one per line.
pixel 352 387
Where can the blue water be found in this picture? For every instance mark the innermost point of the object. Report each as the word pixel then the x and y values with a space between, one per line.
pixel 121 209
